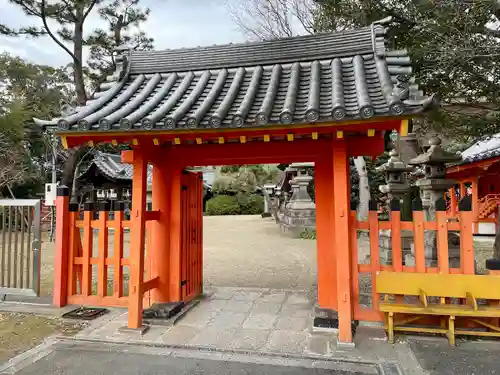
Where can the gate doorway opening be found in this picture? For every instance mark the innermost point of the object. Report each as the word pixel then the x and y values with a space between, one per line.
pixel 242 249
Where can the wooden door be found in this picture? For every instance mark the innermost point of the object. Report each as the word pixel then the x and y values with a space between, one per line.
pixel 191 235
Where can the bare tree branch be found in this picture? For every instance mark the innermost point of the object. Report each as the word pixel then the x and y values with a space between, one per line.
pixel 87 12
pixel 43 16
pixel 28 10
pixel 272 19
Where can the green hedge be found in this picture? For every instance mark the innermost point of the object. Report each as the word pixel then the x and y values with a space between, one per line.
pixel 222 205
pixel 240 204
pixel 250 204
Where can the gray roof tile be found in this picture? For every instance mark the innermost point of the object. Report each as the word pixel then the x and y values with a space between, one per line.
pixel 306 79
pixel 111 166
pixel 486 148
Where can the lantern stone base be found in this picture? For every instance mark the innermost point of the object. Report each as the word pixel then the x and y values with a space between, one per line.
pixel 296 221
pixel 431 257
pixel 385 245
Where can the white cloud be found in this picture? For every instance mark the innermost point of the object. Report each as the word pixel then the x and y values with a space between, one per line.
pixel 172 23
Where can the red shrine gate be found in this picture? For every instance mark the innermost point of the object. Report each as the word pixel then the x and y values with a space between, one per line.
pixel 320 98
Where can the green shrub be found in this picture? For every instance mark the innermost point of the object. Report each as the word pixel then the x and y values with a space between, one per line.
pixel 250 204
pixel 223 185
pixel 308 234
pixel 222 205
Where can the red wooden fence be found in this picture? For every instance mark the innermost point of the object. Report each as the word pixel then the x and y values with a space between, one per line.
pixel 97 271
pixel 442 225
pixel 96 268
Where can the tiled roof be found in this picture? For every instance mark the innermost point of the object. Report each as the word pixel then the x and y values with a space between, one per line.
pixel 483 149
pixel 111 166
pixel 348 75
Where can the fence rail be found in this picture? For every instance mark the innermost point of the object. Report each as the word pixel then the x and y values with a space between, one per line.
pixel 20 244
pixel 98 256
pixel 421 231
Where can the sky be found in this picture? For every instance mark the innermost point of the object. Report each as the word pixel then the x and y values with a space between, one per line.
pixel 172 23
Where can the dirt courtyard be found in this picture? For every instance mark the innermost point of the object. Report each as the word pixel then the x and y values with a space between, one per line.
pixel 249 251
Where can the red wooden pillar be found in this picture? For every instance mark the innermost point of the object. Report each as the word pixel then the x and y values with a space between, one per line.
pixel 137 239
pixel 327 282
pixel 160 245
pixel 60 296
pixel 462 190
pixel 175 233
pixel 467 263
pixel 341 216
pixel 453 201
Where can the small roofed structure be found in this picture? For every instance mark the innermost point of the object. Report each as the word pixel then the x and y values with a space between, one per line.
pixel 320 98
pixel 107 173
pixel 478 176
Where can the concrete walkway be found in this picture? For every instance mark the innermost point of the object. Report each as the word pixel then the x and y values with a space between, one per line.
pixel 85 358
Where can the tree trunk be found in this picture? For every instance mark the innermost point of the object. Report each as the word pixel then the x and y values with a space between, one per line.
pixel 74 156
pixel 496 245
pixel 78 61
pixel 76 153
pixel 364 188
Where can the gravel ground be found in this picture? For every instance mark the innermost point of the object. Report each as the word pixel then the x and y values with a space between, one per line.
pixel 249 251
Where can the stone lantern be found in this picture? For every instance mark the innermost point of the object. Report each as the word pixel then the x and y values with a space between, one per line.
pixel 268 197
pixel 434 184
pixel 432 187
pixel 300 198
pixel 300 213
pixel 395 176
pixel 396 187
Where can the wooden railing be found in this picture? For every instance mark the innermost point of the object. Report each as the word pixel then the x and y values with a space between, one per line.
pixel 98 255
pixel 488 204
pixel 417 227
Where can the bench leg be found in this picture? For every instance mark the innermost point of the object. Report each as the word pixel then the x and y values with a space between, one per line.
pixel 451 330
pixel 390 327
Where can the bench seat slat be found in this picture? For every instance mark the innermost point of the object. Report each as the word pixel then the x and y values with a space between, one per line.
pixel 434 309
pixel 438 285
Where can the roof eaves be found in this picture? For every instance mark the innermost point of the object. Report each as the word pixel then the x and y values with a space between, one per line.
pixel 147 103
pixel 108 90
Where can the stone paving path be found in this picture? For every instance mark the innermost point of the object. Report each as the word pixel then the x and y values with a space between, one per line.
pixel 231 318
pixel 259 321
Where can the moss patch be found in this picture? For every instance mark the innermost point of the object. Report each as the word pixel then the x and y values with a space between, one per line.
pixel 21 332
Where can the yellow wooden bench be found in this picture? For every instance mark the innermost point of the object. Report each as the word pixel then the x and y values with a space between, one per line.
pixel 470 288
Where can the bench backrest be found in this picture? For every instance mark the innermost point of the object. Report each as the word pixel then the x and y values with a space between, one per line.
pixel 438 285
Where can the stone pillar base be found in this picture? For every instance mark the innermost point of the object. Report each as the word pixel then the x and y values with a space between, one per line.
pixel 298 220
pixel 385 245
